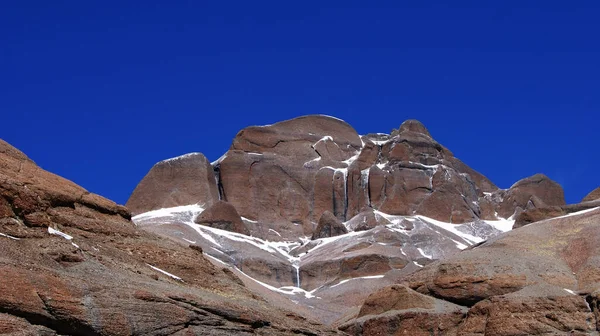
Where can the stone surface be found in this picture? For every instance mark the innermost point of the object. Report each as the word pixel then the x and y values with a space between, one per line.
pixel 532 192
pixel 183 180
pixel 222 215
pixel 593 195
pixel 73 263
pixel 329 226
pixel 541 279
pixel 405 200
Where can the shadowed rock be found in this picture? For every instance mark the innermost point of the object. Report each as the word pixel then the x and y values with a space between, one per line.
pixel 329 226
pixel 222 215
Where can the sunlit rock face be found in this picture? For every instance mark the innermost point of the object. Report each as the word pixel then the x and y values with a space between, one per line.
pixel 329 215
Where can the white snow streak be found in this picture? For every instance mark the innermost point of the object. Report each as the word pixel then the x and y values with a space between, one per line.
pixel 58 233
pixel 165 273
pixel 359 278
pixel 9 236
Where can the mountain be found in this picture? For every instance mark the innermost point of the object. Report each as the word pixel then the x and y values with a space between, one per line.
pixel 73 263
pixel 302 227
pixel 310 212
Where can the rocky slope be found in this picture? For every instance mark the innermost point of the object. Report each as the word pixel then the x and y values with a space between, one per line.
pixel 73 263
pixel 542 279
pixel 322 216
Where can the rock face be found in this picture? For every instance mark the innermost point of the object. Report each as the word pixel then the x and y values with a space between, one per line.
pixel 592 196
pixel 333 215
pixel 286 175
pixel 222 215
pixel 329 226
pixel 183 180
pixel 73 263
pixel 542 279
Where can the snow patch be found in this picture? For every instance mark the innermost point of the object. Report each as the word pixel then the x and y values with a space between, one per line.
pixel 569 291
pixel 165 273
pixel 168 212
pixel 58 233
pixel 359 278
pixel 184 156
pixel 9 236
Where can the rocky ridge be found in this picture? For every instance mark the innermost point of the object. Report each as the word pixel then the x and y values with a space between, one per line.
pixel 73 263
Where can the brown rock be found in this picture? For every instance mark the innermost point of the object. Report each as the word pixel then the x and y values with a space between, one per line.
pixel 515 315
pixel 395 297
pixel 413 125
pixel 537 214
pixel 222 215
pixel 188 179
pixel 329 226
pixel 593 195
pixel 529 191
pixel 296 137
pixel 366 220
pixel 105 284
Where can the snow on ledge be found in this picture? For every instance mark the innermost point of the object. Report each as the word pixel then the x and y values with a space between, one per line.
pixel 180 157
pixel 165 273
pixel 58 233
pixel 359 278
pixel 9 236
pixel 166 212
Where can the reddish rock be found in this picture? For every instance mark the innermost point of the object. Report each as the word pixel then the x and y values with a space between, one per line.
pixel 357 189
pixel 222 215
pixel 396 297
pixel 366 220
pixel 101 281
pixel 514 315
pixel 537 214
pixel 329 226
pixel 296 137
pixel 188 179
pixel 413 125
pixel 593 195
pixel 535 191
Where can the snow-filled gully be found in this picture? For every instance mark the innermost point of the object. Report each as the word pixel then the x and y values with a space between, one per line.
pixel 218 239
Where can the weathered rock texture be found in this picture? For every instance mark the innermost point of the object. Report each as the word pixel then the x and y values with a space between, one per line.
pixel 72 263
pixel 542 279
pixel 592 196
pixel 187 179
pixel 286 175
pixel 329 226
pixel 222 215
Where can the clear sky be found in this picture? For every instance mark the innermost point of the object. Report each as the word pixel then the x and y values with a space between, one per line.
pixel 98 91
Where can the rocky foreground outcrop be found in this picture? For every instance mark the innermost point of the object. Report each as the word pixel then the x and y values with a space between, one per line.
pixel 73 263
pixel 542 279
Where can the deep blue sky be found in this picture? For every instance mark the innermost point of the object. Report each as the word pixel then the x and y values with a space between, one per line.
pixel 98 91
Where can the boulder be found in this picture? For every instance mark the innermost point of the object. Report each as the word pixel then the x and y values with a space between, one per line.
pixel 366 220
pixel 184 180
pixel 329 226
pixel 593 195
pixel 532 192
pixel 222 215
pixel 395 297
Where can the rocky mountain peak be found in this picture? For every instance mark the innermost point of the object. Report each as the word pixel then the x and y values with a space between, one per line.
pixel 412 125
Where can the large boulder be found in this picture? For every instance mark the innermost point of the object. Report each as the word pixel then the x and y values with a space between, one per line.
pixel 592 196
pixel 222 215
pixel 329 226
pixel 184 180
pixel 532 192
